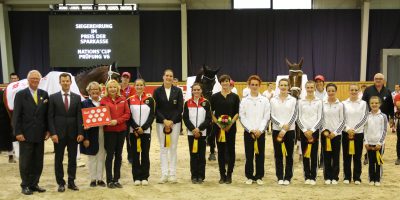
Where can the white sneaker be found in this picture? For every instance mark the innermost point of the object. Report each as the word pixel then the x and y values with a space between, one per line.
pixel 327 182
pixel 286 182
pixel 357 182
pixel 163 179
pixel 346 181
pixel 312 182
pixel 260 182
pixel 307 182
pixel 371 183
pixel 280 182
pixel 172 179
pixel 334 182
pixel 249 182
pixel 137 183
pixel 377 184
pixel 145 183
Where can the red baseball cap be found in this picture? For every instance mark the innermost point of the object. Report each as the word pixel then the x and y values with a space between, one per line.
pixel 319 77
pixel 126 74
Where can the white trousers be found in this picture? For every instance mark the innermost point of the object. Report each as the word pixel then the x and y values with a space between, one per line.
pixel 168 156
pixel 96 163
pixel 15 151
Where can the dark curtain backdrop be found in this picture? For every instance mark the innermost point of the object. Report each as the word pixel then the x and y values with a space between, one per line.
pixel 257 42
pixel 160 44
pixel 241 42
pixel 384 33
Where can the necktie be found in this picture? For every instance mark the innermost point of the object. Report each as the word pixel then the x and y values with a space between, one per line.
pixel 66 101
pixel 35 97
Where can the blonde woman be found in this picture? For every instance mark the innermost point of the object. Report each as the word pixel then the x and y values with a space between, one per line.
pixel 93 145
pixel 114 133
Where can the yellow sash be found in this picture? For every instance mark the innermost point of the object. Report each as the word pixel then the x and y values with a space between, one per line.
pixel 351 147
pixel 167 140
pixel 379 158
pixel 195 145
pixel 328 144
pixel 138 145
pixel 221 136
pixel 284 152
pixel 256 147
pixel 307 154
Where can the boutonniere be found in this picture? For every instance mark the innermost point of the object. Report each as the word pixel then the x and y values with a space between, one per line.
pixel 45 101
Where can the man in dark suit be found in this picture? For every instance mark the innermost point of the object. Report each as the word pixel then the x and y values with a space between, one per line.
pixel 65 125
pixel 30 129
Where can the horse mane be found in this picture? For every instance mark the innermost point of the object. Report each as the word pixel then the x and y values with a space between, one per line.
pixel 86 70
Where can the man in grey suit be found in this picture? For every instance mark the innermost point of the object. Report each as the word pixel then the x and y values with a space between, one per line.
pixel 65 125
pixel 30 129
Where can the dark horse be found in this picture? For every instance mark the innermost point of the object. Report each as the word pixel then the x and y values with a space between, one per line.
pixel 295 83
pixel 206 77
pixel 100 73
pixel 295 77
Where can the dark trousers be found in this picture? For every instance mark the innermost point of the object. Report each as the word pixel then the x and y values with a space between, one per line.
pixel 398 139
pixel 72 148
pixel 289 140
pixel 331 158
pixel 128 148
pixel 141 160
pixel 229 148
pixel 310 165
pixel 114 143
pixel 30 162
pixel 211 131
pixel 374 170
pixel 358 148
pixel 259 158
pixel 198 160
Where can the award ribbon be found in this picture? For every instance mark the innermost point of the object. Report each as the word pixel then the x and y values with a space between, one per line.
pixel 351 147
pixel 328 144
pixel 195 145
pixel 221 136
pixel 379 158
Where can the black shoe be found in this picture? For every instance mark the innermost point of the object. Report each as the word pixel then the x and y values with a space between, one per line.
pixel 111 185
pixel 365 161
pixel 228 179
pixel 397 162
pixel 200 181
pixel 93 184
pixel 101 183
pixel 212 157
pixel 36 188
pixel 222 180
pixel 26 191
pixel 11 159
pixel 61 188
pixel 117 185
pixel 194 180
pixel 72 186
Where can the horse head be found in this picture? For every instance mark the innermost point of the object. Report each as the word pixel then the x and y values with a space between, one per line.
pixel 100 73
pixel 206 77
pixel 295 77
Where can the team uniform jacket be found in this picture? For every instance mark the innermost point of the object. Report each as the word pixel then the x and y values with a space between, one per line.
pixel 119 111
pixel 197 114
pixel 333 117
pixel 283 112
pixel 142 111
pixel 254 112
pixel 375 129
pixel 310 114
pixel 355 114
